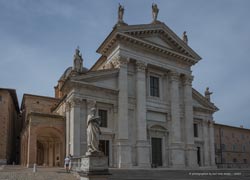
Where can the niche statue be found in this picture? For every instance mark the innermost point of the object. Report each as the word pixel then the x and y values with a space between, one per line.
pixel 93 132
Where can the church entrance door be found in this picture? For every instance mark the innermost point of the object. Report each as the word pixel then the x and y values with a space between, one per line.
pixel 199 156
pixel 156 144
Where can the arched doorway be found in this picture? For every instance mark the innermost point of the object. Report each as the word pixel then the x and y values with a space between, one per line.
pixel 50 147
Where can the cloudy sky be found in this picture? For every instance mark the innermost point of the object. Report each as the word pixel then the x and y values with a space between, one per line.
pixel 38 39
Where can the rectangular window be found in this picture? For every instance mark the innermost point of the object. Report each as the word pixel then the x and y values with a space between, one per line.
pixel 104 117
pixel 242 136
pixel 234 147
pixel 0 98
pixel 245 161
pixel 223 147
pixel 154 86
pixel 195 130
pixel 243 148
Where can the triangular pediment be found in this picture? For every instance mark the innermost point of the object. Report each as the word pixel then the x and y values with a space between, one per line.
pixel 156 37
pixel 158 41
pixel 200 102
pixel 105 78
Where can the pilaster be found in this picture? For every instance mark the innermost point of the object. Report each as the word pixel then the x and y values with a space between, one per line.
pixel 206 143
pixel 123 148
pixel 32 151
pixel 75 126
pixel 67 109
pixel 142 145
pixel 212 149
pixel 191 151
pixel 177 146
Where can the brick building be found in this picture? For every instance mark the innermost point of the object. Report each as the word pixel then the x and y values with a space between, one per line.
pixel 232 146
pixel 43 132
pixel 10 126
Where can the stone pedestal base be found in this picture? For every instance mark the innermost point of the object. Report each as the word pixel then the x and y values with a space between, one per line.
pixel 191 154
pixel 94 167
pixel 178 156
pixel 123 150
pixel 143 154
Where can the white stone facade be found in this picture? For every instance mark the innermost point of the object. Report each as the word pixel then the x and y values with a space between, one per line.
pixel 140 123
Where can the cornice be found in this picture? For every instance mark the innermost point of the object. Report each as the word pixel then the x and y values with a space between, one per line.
pixel 156 48
pixel 97 74
pixel 129 33
pixel 89 85
pixel 203 100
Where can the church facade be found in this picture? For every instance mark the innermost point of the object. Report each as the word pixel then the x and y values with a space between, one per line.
pixel 142 89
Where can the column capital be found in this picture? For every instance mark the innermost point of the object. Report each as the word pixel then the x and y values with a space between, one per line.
pixel 75 102
pixel 188 79
pixel 67 106
pixel 210 123
pixel 174 76
pixel 119 61
pixel 140 66
pixel 91 103
pixel 205 123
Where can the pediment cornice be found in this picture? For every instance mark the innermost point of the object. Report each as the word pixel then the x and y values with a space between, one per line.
pixel 97 74
pixel 207 106
pixel 133 34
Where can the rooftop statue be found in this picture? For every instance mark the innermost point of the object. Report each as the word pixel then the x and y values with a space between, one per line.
pixel 155 12
pixel 93 132
pixel 207 94
pixel 78 60
pixel 120 13
pixel 184 37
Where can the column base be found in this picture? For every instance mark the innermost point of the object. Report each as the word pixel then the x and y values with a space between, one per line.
pixel 143 154
pixel 123 154
pixel 3 161
pixel 191 156
pixel 177 155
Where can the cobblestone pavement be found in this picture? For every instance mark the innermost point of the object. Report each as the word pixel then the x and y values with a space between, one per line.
pixel 22 173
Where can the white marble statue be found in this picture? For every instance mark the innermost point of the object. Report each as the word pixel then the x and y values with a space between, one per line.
pixel 93 132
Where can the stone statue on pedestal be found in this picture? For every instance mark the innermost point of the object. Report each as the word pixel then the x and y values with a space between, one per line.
pixel 155 12
pixel 120 13
pixel 78 60
pixel 184 37
pixel 208 94
pixel 93 132
pixel 94 165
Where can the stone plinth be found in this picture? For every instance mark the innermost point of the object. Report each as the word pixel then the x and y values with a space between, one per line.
pixel 94 168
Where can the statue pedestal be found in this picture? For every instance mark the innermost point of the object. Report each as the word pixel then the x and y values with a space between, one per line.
pixel 94 167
